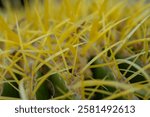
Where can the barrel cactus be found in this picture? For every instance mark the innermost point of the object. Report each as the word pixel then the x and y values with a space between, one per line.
pixel 75 49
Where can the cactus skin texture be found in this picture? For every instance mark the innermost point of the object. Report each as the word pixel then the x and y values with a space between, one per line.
pixel 102 73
